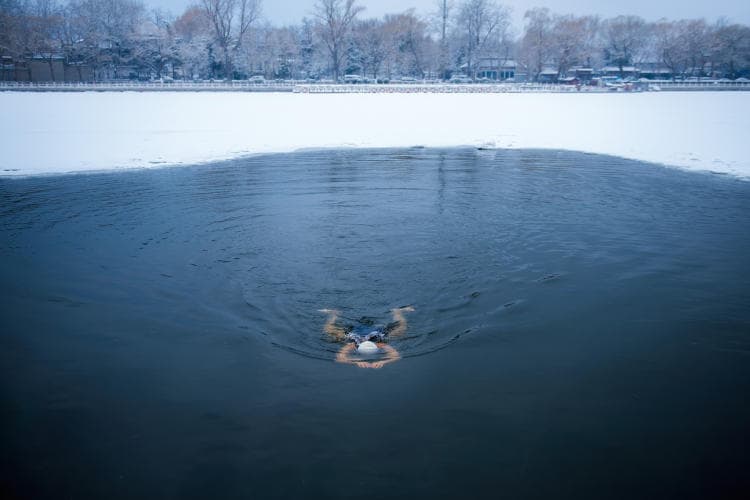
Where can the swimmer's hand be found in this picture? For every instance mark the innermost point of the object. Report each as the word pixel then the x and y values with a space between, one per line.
pixel 404 309
pixel 367 364
pixel 329 311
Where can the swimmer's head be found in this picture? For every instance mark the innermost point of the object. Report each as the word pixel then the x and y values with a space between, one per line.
pixel 367 348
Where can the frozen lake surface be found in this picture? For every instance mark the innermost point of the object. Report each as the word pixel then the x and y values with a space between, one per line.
pixel 51 132
pixel 581 329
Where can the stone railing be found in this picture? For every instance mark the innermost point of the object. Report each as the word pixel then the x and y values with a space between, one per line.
pixel 178 86
pixel 392 88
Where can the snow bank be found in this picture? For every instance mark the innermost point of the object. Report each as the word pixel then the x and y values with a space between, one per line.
pixel 52 132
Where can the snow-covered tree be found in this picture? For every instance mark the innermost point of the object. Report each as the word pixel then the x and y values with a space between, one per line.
pixel 442 18
pixel 194 50
pixel 409 43
pixel 335 20
pixel 626 40
pixel 104 32
pixel 731 49
pixel 483 26
pixel 671 46
pixel 223 38
pixel 230 21
pixel 569 41
pixel 536 44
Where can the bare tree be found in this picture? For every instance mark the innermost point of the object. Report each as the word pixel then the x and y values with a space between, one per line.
pixel 286 47
pixel 48 33
pixel 157 49
pixel 569 38
pixel 103 30
pixel 9 10
pixel 698 48
pixel 307 50
pixel 335 20
pixel 442 18
pixel 625 40
pixel 732 48
pixel 409 43
pixel 671 46
pixel 371 38
pixel 537 41
pixel 483 24
pixel 15 35
pixel 116 38
pixel 272 52
pixel 193 29
pixel 230 20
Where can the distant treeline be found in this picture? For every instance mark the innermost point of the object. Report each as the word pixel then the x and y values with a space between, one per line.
pixel 229 39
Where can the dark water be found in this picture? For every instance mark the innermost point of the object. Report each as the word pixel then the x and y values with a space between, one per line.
pixel 582 329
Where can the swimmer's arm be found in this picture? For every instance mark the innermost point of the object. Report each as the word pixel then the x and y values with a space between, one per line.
pixel 331 328
pixel 391 354
pixel 400 320
pixel 343 356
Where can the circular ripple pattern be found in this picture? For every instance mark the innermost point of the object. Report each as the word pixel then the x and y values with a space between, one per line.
pixel 477 241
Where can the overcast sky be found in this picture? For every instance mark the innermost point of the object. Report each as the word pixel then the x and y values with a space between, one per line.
pixel 280 12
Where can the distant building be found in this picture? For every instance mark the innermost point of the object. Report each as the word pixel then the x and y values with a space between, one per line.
pixel 47 68
pixel 583 75
pixel 626 72
pixel 494 68
pixel 548 75
pixel 654 71
pixel 43 68
pixel 78 72
pixel 7 69
pixel 569 80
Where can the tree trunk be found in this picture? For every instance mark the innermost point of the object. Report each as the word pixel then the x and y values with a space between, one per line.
pixel 51 68
pixel 335 64
pixel 227 65
pixel 443 46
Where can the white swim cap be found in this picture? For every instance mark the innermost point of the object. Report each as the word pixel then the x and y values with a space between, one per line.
pixel 367 347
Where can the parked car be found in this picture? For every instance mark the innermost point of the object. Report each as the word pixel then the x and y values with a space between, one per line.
pixel 460 79
pixel 257 79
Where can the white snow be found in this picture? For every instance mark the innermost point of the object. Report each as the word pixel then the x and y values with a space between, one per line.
pixel 44 133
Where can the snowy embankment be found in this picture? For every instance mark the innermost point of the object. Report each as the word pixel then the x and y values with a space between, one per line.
pixel 50 132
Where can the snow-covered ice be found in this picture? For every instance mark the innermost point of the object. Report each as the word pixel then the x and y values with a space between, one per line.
pixel 72 132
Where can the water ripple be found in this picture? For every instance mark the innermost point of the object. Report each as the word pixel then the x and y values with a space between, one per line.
pixel 478 241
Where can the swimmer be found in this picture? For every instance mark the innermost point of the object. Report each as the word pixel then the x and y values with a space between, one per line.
pixel 366 339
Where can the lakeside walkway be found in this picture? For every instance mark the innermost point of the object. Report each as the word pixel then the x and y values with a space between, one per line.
pixel 391 88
